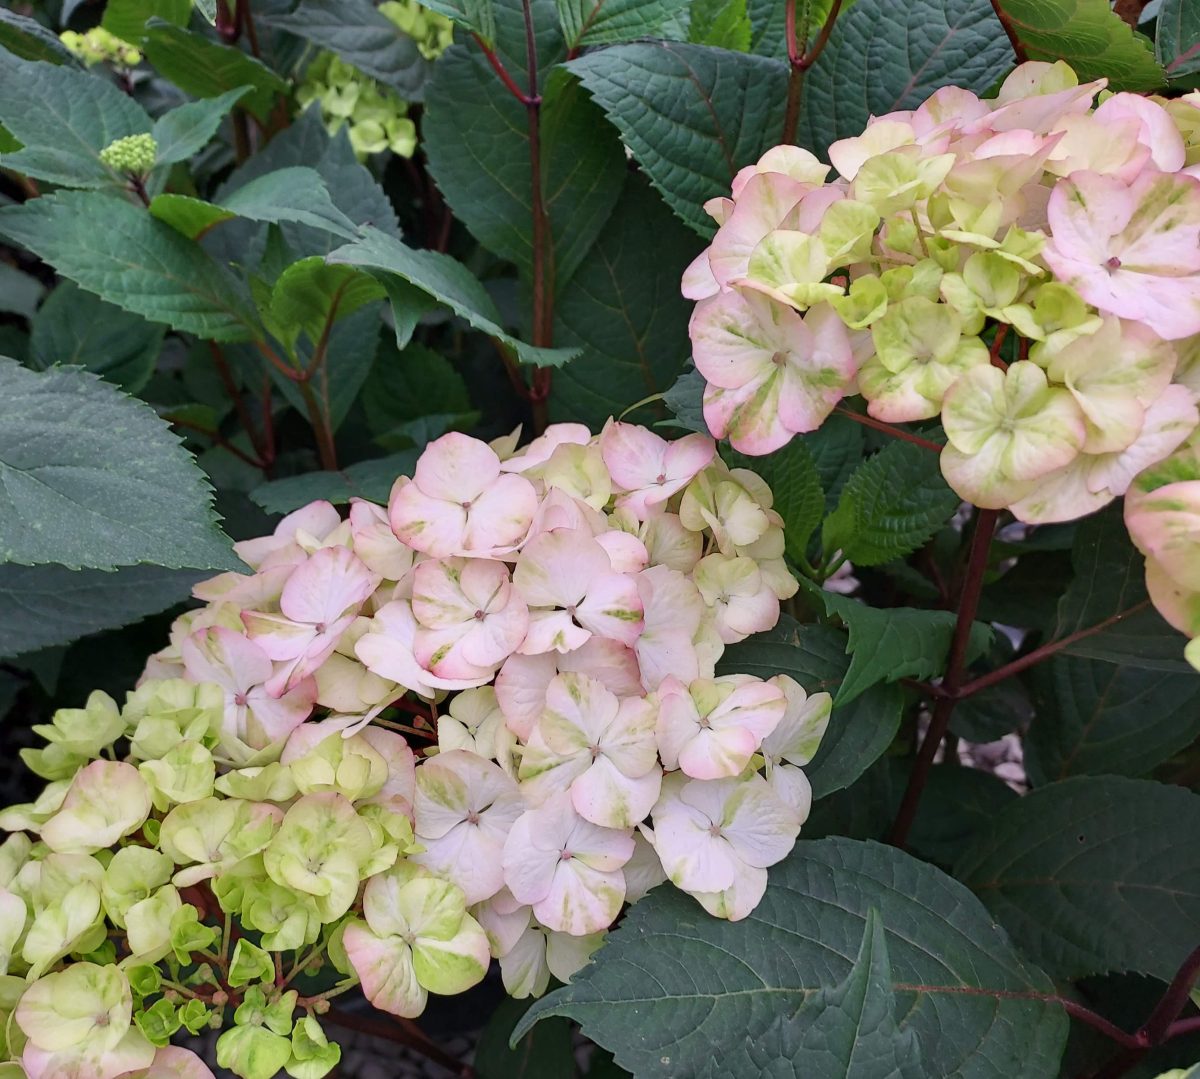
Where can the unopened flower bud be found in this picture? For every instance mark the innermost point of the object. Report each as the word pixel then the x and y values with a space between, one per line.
pixel 133 154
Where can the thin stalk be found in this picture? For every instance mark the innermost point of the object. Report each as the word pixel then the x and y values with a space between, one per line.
pixel 801 61
pixel 246 19
pixel 320 425
pixel 499 68
pixel 943 710
pixel 1009 29
pixel 1173 1001
pixel 218 440
pixel 237 400
pixel 887 428
pixel 404 1032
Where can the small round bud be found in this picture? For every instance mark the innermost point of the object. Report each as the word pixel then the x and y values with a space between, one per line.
pixel 134 154
pixel 220 998
pixel 320 1007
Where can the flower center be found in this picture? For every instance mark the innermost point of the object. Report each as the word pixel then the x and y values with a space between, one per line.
pixel 565 855
pixel 1113 263
pixel 239 699
pixel 661 478
pixel 715 831
pixel 479 616
pixel 472 817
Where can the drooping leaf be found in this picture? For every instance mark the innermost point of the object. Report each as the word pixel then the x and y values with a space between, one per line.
pixel 310 294
pixel 30 40
pixel 723 23
pixel 204 68
pixel 691 115
pixel 90 477
pixel 134 261
pixel 74 328
pixel 1109 581
pixel 910 50
pixel 1095 717
pixel 367 479
pixel 42 606
pixel 190 217
pixel 472 15
pixel 845 1029
pixel 890 643
pixel 19 291
pixel 890 506
pixel 1090 36
pixel 1094 874
pixel 625 313
pixel 186 130
pixel 64 117
pixel 674 990
pixel 477 139
pixel 1177 38
pixel 605 22
pixel 859 731
pixel 360 35
pixel 795 483
pixel 297 195
pixel 545 1051
pixel 127 19
pixel 448 282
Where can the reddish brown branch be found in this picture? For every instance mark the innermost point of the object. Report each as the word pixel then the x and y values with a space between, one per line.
pixel 887 428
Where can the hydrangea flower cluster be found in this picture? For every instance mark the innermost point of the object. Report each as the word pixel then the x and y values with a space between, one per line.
pixel 252 833
pixel 99 46
pixel 376 118
pixel 1025 268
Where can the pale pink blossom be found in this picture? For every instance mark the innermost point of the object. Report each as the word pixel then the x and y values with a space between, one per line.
pixel 647 469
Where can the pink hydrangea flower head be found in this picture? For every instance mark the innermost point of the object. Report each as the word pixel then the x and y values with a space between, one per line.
pixel 646 469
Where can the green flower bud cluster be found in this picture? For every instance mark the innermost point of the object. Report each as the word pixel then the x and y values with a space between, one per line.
pixel 134 154
pixel 376 119
pixel 432 32
pixel 98 46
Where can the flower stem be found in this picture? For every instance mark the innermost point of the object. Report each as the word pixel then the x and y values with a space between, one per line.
pixel 887 428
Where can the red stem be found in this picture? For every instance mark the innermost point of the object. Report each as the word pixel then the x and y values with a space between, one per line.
pixel 887 428
pixel 501 70
pixel 1173 1001
pixel 801 62
pixel 1017 48
pixel 997 344
pixel 968 605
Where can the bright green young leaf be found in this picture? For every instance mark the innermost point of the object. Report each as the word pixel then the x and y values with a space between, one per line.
pixel 625 313
pixel 205 68
pixel 20 292
pixel 477 142
pixel 478 16
pixel 910 49
pixel 74 328
pixel 90 477
pixel 1090 36
pixel 723 23
pixel 859 731
pixel 30 40
pixel 691 115
pixel 890 506
pixel 1085 718
pixel 845 1029
pixel 64 117
pixel 890 643
pixel 360 35
pixel 606 22
pixel 368 479
pixel 41 606
pixel 190 217
pixel 448 282
pixel 127 19
pixel 134 261
pixel 673 990
pixel 186 130
pixel 310 294
pixel 1094 874
pixel 1177 38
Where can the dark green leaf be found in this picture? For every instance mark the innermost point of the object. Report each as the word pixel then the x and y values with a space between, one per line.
pixel 477 139
pixel 685 402
pixel 204 68
pixel 1094 874
pixel 127 19
pixel 891 506
pixel 1090 36
pixel 674 990
pixel 19 292
pixel 74 328
pixel 50 605
pixel 546 1051
pixel 30 40
pixel 1110 580
pixel 957 803
pixel 846 1029
pixel 799 500
pixel 90 477
pixel 64 117
pixel 296 195
pixel 723 23
pixel 859 732
pixel 360 35
pixel 910 50
pixel 993 712
pixel 134 261
pixel 691 115
pixel 368 479
pixel 1177 38
pixel 890 643
pixel 448 282
pixel 186 130
pixel 605 22
pixel 625 313
pixel 837 448
pixel 1095 717
pixel 767 30
pixel 404 386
